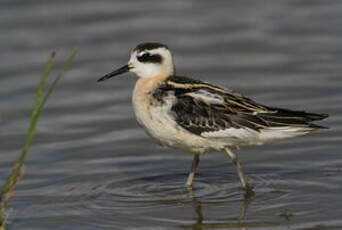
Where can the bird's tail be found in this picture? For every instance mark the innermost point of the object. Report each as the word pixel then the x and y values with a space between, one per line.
pixel 286 117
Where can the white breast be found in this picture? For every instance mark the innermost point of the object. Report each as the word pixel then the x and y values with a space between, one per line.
pixel 155 118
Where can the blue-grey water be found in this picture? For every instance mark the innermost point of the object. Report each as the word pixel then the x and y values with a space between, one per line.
pixel 92 167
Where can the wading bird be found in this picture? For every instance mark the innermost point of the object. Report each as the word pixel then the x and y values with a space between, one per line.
pixel 198 117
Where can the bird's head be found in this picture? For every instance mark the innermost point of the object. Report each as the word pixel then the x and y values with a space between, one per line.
pixel 147 60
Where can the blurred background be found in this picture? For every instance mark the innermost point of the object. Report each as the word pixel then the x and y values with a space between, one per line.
pixel 92 167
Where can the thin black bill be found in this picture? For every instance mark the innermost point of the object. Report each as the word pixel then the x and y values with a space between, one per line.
pixel 119 71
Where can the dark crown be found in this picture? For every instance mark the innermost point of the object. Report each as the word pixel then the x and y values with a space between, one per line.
pixel 149 46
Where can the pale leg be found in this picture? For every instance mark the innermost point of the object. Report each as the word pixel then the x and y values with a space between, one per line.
pixel 194 165
pixel 237 164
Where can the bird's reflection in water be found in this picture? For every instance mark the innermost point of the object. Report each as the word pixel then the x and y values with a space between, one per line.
pixel 240 222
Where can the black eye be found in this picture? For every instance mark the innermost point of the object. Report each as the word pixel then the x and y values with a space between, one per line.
pixel 147 57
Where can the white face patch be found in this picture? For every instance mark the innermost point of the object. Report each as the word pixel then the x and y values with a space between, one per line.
pixel 150 69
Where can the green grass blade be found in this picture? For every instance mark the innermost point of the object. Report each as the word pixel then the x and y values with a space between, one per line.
pixel 12 178
pixel 59 77
pixel 7 189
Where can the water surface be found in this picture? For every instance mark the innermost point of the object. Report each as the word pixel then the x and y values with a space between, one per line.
pixel 92 167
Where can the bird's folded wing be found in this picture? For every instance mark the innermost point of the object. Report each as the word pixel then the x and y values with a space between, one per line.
pixel 202 111
pixel 206 108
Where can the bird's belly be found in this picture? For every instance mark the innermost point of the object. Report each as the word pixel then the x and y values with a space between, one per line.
pixel 161 126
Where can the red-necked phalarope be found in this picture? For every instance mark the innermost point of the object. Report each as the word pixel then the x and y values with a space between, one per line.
pixel 198 117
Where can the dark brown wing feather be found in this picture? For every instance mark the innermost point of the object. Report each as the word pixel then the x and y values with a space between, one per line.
pixel 202 107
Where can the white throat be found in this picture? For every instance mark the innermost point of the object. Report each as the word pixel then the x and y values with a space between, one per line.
pixel 151 70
